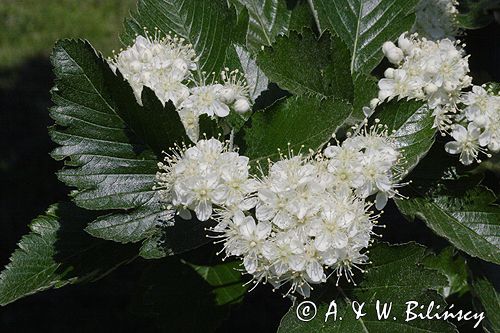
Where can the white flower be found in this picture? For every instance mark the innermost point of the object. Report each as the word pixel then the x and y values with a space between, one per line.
pixel 248 240
pixel 235 87
pixel 310 219
pixel 190 121
pixel 466 143
pixel 205 100
pixel 170 89
pixel 368 163
pixel 483 111
pixel 330 230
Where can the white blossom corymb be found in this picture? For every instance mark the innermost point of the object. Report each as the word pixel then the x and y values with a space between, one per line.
pixel 168 66
pixel 306 219
pixel 436 19
pixel 435 72
pixel 207 174
pixel 160 63
pixel 303 229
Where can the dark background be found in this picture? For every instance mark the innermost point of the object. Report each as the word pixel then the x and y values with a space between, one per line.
pixel 28 186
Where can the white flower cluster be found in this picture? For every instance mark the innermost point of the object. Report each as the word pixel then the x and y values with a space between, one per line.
pixel 477 127
pixel 161 64
pixel 168 65
pixel 436 19
pixel 198 177
pixel 302 228
pixel 435 72
pixel 368 164
pixel 307 218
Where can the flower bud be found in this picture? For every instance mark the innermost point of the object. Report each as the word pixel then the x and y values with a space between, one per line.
pixel 241 105
pixel 430 88
pixel 227 95
pixel 395 55
pixel 374 102
pixel 387 46
pixel 389 73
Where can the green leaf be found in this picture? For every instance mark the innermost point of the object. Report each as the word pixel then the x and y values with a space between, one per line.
pixel 303 64
pixel 110 144
pixel 454 267
pixel 301 17
pixel 58 252
pixel 128 227
pixel 412 123
pixel 364 26
pixel 298 123
pixel 490 303
pixel 204 24
pixel 396 276
pixel 107 140
pixel 468 219
pixel 226 281
pixel 365 89
pixel 182 299
pixel 267 20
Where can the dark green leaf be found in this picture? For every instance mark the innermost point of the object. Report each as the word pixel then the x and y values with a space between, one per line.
pixel 58 252
pixel 109 141
pixel 364 26
pixel 299 123
pixel 396 276
pixel 128 227
pixel 268 19
pixel 412 123
pixel 468 219
pixel 301 17
pixel 303 64
pixel 454 267
pixel 226 281
pixel 112 164
pixel 365 89
pixel 490 303
pixel 204 24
